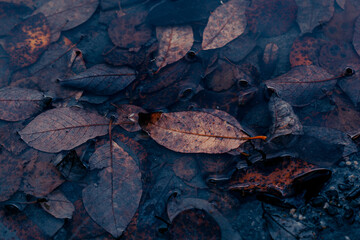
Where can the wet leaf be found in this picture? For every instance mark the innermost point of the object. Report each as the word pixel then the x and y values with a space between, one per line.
pixel 174 43
pixel 113 201
pixel 302 84
pixel 102 79
pixel 129 31
pixel 194 224
pixel 41 178
pixel 356 38
pixel 226 23
pixel 10 15
pixel 128 117
pixel 238 49
pixel 276 177
pixel 271 18
pixel 313 13
pixel 63 129
pixel 193 131
pixel 305 51
pixel 66 14
pixel 11 172
pixel 19 103
pixel 27 41
pixel 58 205
pixel 10 139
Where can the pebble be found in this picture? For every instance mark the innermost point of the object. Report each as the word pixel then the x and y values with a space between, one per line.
pixel 318 201
pixel 348 163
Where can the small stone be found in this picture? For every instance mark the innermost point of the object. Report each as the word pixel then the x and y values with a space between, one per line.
pixel 301 217
pixel 347 238
pixel 356 162
pixel 348 163
pixel 292 211
pixel 318 201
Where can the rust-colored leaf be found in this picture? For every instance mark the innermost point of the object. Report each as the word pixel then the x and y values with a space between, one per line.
pixel 11 172
pixel 277 178
pixel 113 201
pixel 226 23
pixel 174 43
pixel 19 103
pixel 313 13
pixel 66 14
pixel 27 41
pixel 102 79
pixel 271 18
pixel 302 84
pixel 41 178
pixel 63 129
pixel 58 205
pixel 305 51
pixel 193 131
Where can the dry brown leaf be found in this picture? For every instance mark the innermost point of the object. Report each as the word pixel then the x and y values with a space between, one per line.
pixel 193 131
pixel 226 23
pixel 174 43
pixel 58 205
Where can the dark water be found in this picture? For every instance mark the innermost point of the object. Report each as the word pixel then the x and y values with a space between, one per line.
pixel 219 72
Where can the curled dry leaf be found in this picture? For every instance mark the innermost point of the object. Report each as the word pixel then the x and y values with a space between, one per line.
pixel 276 177
pixel 58 205
pixel 27 41
pixel 226 23
pixel 113 201
pixel 193 131
pixel 302 84
pixel 41 178
pixel 66 14
pixel 63 129
pixel 129 117
pixel 174 43
pixel 313 13
pixel 102 79
pixel 19 103
pixel 11 172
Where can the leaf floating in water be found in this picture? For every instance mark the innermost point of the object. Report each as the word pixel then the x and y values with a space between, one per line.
pixel 66 14
pixel 302 84
pixel 113 201
pixel 194 132
pixel 174 43
pixel 63 129
pixel 102 79
pixel 27 41
pixel 226 23
pixel 19 103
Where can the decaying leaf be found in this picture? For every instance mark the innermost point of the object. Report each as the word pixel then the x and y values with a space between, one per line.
pixel 129 117
pixel 66 14
pixel 63 129
pixel 174 43
pixel 313 13
pixel 302 84
pixel 226 23
pixel 41 178
pixel 11 172
pixel 10 15
pixel 305 51
pixel 271 18
pixel 19 103
pixel 58 205
pixel 193 131
pixel 102 79
pixel 113 201
pixel 279 178
pixel 27 41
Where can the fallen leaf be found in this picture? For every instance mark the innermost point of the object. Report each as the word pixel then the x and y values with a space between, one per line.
pixel 10 15
pixel 302 84
pixel 313 13
pixel 19 103
pixel 27 41
pixel 10 139
pixel 63 129
pixel 11 172
pixel 128 117
pixel 102 79
pixel 305 51
pixel 41 178
pixel 66 14
pixel 58 205
pixel 226 23
pixel 113 201
pixel 276 177
pixel 271 18
pixel 238 49
pixel 193 131
pixel 174 43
